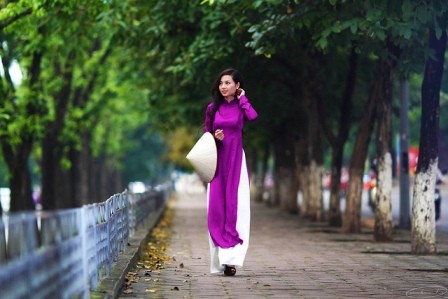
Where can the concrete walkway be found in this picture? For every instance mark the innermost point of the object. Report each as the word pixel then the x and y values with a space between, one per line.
pixel 290 257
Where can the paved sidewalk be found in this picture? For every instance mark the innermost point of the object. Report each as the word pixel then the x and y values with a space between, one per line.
pixel 290 257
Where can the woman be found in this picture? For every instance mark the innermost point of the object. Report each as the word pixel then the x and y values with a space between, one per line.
pixel 228 193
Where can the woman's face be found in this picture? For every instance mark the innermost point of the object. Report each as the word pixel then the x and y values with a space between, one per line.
pixel 227 86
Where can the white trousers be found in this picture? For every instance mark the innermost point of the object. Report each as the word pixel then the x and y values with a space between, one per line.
pixel 235 255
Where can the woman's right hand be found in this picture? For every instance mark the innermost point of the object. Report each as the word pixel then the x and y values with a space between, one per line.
pixel 219 134
pixel 240 92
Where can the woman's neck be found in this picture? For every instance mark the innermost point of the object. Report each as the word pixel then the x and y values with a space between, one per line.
pixel 229 99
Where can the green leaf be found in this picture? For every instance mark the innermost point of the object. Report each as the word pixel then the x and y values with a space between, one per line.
pixel 373 14
pixel 322 43
pixel 422 14
pixel 407 9
pixel 381 34
pixel 407 32
pixel 354 26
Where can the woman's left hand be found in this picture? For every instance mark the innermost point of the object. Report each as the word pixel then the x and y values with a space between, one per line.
pixel 240 92
pixel 219 134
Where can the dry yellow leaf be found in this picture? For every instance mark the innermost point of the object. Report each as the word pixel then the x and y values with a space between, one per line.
pixel 154 256
pixel 127 291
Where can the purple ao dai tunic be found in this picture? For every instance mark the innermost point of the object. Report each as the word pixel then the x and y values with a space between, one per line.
pixel 222 210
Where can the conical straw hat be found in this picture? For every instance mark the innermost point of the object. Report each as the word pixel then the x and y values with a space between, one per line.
pixel 203 156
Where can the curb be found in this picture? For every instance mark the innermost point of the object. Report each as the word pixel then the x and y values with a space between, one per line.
pixel 110 287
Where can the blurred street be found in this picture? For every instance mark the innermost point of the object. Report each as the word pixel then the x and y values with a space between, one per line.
pixel 290 257
pixel 442 223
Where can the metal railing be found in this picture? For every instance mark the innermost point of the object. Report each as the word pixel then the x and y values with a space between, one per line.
pixel 65 253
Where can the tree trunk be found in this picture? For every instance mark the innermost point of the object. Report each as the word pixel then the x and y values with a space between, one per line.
pixel 20 177
pixel 17 155
pixel 338 141
pixel 304 179
pixel 352 218
pixel 80 172
pixel 57 192
pixel 316 209
pixel 118 181
pixel 383 228
pixel 303 170
pixel 253 173
pixel 301 175
pixel 383 202
pixel 104 182
pixel 94 181
pixel 53 196
pixel 285 169
pixel 334 213
pixel 423 224
pixel 63 186
pixel 48 175
pixel 286 185
pixel 101 180
pixel 84 171
pixel 423 228
pixel 259 182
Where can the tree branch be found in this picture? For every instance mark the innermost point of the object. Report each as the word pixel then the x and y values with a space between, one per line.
pixel 88 90
pixel 323 121
pixel 15 18
pixel 6 64
pixel 346 108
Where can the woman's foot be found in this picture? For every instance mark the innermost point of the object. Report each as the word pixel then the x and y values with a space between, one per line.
pixel 229 270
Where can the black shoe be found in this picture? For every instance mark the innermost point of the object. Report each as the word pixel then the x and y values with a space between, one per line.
pixel 229 270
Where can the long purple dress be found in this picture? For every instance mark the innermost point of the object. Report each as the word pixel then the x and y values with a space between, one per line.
pixel 225 187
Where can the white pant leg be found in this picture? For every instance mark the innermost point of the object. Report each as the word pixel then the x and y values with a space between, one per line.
pixel 234 255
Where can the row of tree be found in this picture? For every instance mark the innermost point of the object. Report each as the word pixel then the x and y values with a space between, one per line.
pixel 76 103
pixel 327 66
pixel 326 73
pixel 321 75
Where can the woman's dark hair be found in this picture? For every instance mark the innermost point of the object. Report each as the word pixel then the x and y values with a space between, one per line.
pixel 217 97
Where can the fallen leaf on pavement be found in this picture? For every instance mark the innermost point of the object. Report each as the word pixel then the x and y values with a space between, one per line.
pixel 127 291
